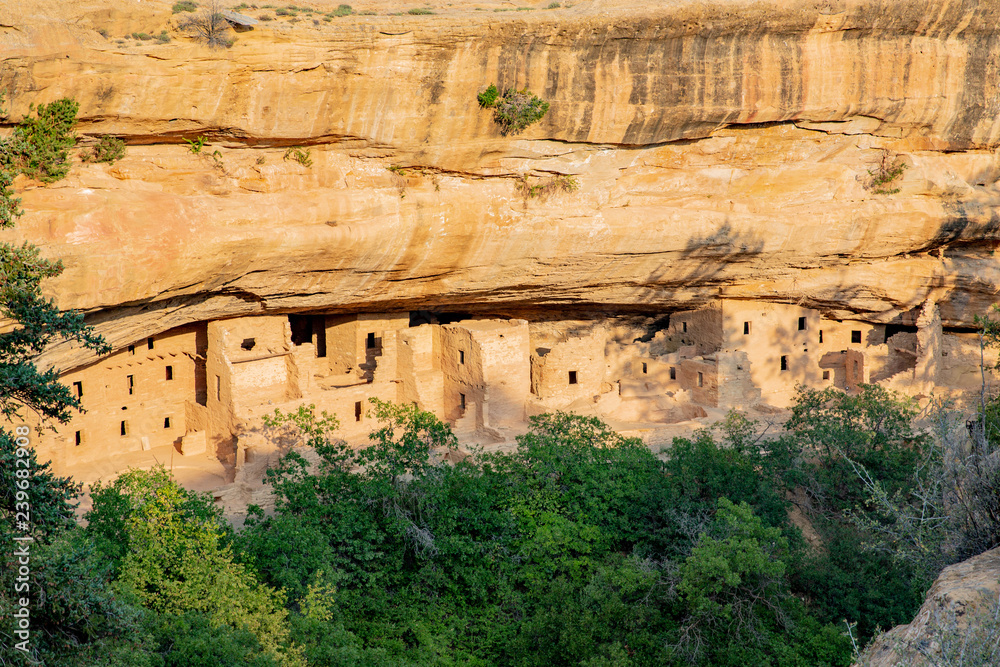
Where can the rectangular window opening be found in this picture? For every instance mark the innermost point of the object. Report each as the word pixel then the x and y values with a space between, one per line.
pixel 820 335
pixel 855 336
pixel 170 372
pixel 166 422
pixel 78 389
pixel 701 379
pixel 131 384
pixel 645 369
pixel 131 349
pixel 784 363
pixel 746 328
pixel 461 400
pixel 802 324
pixel 572 377
pixel 149 343
pixel 461 356
pixel 370 341
pixel 79 438
pixel 124 429
pixel 357 411
pixel 684 327
pixel 319 333
pixel 301 329
pixel 826 375
pixel 673 373
pixel 218 388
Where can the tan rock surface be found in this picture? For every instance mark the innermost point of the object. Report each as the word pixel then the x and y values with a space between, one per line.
pixel 959 592
pixel 656 108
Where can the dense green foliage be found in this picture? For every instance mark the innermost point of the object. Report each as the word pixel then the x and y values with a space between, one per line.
pixel 38 147
pixel 107 149
pixel 514 110
pixel 579 548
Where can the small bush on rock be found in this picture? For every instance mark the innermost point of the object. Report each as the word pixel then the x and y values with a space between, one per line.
pixel 887 170
pixel 514 110
pixel 299 155
pixel 210 26
pixel 38 148
pixel 107 149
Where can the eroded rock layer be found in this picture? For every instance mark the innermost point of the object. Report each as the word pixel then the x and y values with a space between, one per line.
pixel 720 149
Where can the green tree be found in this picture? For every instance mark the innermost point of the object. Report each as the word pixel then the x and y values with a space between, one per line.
pixel 176 559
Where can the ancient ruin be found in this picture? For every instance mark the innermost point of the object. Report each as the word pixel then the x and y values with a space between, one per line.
pixel 197 393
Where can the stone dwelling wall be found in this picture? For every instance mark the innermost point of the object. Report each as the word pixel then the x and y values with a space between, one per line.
pixel 462 366
pixel 241 380
pixel 419 366
pixel 487 362
pixel 702 328
pixel 855 370
pixel 960 359
pixel 781 343
pixel 504 347
pixel 143 404
pixel 929 346
pixel 551 368
pixel 700 376
pixel 735 385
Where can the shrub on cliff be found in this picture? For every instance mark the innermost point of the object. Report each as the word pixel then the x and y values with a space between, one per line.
pixel 514 110
pixel 210 26
pixel 107 149
pixel 39 145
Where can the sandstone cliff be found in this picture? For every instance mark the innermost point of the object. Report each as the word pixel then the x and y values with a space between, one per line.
pixel 722 148
pixel 960 593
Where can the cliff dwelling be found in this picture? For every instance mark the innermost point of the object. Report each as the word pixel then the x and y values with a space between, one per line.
pixel 198 392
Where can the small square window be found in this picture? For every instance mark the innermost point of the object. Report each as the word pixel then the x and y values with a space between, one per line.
pixel 572 377
pixel 802 324
pixel 645 369
pixel 357 411
pixel 784 363
pixel 826 375
pixel 124 428
pixel 746 328
pixel 855 336
pixel 170 372
pixel 673 373
pixel 461 356
pixel 78 389
pixel 701 379
pixel 166 422
pixel 248 344
pixel 149 343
